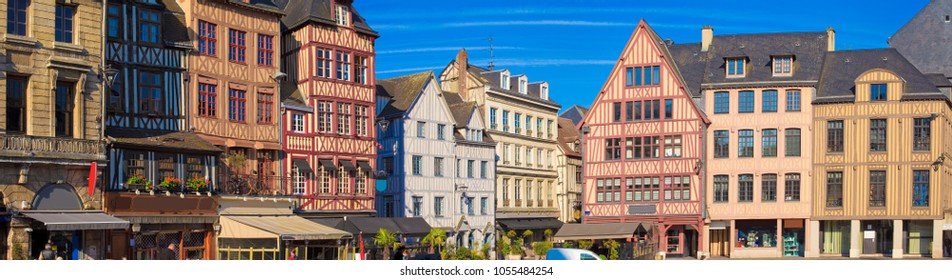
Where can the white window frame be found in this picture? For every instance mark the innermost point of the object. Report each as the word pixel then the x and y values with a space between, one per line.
pixel 297 122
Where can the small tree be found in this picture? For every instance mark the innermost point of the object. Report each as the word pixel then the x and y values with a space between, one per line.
pixel 585 244
pixel 504 244
pixel 436 237
pixel 386 239
pixel 517 248
pixel 527 233
pixel 541 248
pixel 568 244
pixel 548 234
pixel 484 249
pixel 612 249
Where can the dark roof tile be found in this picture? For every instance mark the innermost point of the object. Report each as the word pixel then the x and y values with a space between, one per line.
pixel 925 39
pixel 841 68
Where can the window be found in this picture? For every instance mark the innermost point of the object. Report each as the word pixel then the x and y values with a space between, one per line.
pixel 793 101
pixel 792 145
pixel 745 187
pixel 791 188
pixel 194 167
pixel 470 208
pixel 652 147
pixel 236 46
pixel 113 21
pixel 655 109
pixel 920 188
pixel 343 15
pixel 421 129
pixel 722 144
pixel 324 60
pixel 343 66
pixel 265 50
pixel 735 67
pixel 361 118
pixel 721 188
pixel 64 23
pixel 324 116
pixel 135 164
pixel 922 134
pixel 236 105
pixel 471 169
pixel 769 142
pixel 64 109
pixel 522 86
pixel 505 121
pixel 629 77
pixel 438 167
pixel 768 187
pixel 616 112
pixel 16 105
pixel 668 109
pixel 440 131
pixel 722 102
pixel 360 69
pixel 529 125
pixel 438 206
pixel 297 122
pixel 343 182
pixel 677 188
pixel 343 118
pixel 782 65
pixel 548 129
pixel 417 206
pixel 877 92
pixel 877 188
pixel 265 108
pixel 517 120
pixel 745 143
pixel 388 165
pixel 207 38
pixel 769 102
pixel 613 149
pixel 539 127
pixel 150 93
pixel 652 75
pixel 299 181
pixel 166 166
pixel 207 100
pixel 834 189
pixel 634 77
pixel 834 136
pixel 528 156
pixel 630 147
pixel 149 22
pixel 325 180
pixel 484 206
pixel 745 102
pixel 877 135
pixel 417 165
pixel 17 16
pixel 672 146
pixel 518 192
pixel 636 109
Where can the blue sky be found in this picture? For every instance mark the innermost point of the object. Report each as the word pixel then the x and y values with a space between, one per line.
pixel 573 44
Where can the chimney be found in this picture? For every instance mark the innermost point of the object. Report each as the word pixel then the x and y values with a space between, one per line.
pixel 707 35
pixel 462 62
pixel 830 39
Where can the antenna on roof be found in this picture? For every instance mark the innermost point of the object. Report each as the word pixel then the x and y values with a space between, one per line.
pixel 492 56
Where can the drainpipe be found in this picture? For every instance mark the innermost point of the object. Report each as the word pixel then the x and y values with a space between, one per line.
pixel 703 179
pixel 102 67
pixel 585 130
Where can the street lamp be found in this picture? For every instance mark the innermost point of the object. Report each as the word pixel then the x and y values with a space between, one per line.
pixel 108 76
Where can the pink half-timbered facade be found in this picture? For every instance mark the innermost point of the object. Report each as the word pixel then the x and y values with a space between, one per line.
pixel 643 149
pixel 329 107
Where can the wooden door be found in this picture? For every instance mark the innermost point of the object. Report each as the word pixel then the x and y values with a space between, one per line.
pixel 119 245
pixel 720 243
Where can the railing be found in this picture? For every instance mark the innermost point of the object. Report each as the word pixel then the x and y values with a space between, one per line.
pixel 505 203
pixel 551 203
pixel 529 203
pixel 254 185
pixel 35 146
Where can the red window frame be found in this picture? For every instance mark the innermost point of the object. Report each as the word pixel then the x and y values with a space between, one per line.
pixel 207 38
pixel 207 100
pixel 236 46
pixel 236 104
pixel 265 50
pixel 265 108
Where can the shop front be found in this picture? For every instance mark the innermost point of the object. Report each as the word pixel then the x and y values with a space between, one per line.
pixel 918 237
pixel 262 229
pixel 877 237
pixel 158 221
pixel 72 235
pixel 835 238
pixel 410 231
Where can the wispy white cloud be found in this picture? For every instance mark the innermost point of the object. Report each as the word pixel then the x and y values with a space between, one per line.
pixel 538 22
pixel 412 69
pixel 545 62
pixel 445 49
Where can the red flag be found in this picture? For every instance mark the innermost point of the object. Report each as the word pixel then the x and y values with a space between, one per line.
pixel 361 236
pixel 92 179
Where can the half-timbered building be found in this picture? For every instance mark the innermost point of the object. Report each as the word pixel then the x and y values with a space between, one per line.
pixel 881 160
pixel 568 160
pixel 51 149
pixel 329 100
pixel 756 90
pixel 522 120
pixel 438 159
pixel 643 149
pixel 149 143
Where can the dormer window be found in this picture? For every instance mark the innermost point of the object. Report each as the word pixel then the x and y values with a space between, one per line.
pixel 783 65
pixel 522 86
pixel 505 81
pixel 877 92
pixel 343 15
pixel 544 93
pixel 735 67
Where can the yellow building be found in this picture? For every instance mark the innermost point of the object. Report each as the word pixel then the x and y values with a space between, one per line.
pixel 881 160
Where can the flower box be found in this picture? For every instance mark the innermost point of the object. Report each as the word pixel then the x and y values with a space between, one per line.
pixel 136 187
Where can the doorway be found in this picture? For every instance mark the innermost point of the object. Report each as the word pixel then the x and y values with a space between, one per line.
pixel 720 243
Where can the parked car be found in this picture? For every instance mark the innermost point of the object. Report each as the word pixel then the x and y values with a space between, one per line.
pixel 571 254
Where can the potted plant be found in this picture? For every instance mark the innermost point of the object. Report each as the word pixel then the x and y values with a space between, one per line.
pixel 170 184
pixel 196 185
pixel 138 183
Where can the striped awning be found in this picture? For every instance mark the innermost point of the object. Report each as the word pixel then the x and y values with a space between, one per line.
pixel 66 221
pixel 281 227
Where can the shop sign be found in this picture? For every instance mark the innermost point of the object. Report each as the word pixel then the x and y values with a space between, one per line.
pixel 947 227
pixel 869 234
pixel 642 209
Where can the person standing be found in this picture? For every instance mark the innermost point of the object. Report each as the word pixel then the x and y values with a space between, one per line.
pixel 167 253
pixel 47 253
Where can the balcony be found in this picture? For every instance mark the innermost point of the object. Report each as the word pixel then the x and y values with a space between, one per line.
pixel 529 203
pixel 551 203
pixel 254 185
pixel 51 148
pixel 505 203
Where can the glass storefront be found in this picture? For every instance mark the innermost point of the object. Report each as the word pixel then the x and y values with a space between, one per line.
pixel 793 238
pixel 877 237
pixel 918 237
pixel 835 237
pixel 756 233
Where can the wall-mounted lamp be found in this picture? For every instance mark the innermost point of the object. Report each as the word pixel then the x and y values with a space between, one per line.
pixel 136 227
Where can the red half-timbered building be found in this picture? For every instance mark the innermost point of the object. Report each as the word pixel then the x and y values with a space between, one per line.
pixel 643 149
pixel 329 107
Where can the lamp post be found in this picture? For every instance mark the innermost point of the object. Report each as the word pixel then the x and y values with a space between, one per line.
pixel 107 75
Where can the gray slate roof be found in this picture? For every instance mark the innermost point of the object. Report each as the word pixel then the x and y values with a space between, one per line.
pixel 926 38
pixel 174 29
pixel 703 68
pixel 403 91
pixel 494 84
pixel 575 113
pixel 462 113
pixel 841 68
pixel 300 12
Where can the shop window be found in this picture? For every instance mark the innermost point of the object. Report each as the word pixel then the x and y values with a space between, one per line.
pixel 674 241
pixel 756 233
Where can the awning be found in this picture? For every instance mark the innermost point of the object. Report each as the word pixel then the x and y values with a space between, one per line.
pixel 371 225
pixel 531 223
pixel 413 226
pixel 57 221
pixel 156 219
pixel 365 166
pixel 328 165
pixel 302 165
pixel 596 231
pixel 281 227
pixel 348 166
